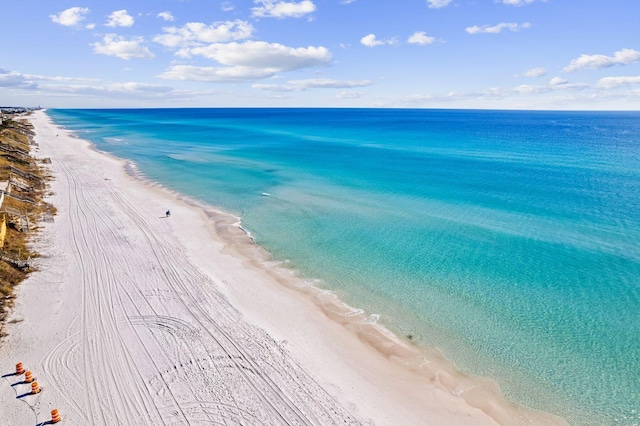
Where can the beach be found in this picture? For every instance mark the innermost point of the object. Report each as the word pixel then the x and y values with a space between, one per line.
pixel 133 317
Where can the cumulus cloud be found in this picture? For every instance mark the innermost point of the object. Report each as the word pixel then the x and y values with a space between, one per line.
pixel 621 57
pixel 282 9
pixel 437 4
pixel 249 60
pixel 557 81
pixel 115 45
pixel 534 72
pixel 613 82
pixel 120 18
pixel 70 17
pixel 495 29
pixel 197 33
pixel 312 83
pixel 264 55
pixel 371 41
pixel 167 16
pixel 421 37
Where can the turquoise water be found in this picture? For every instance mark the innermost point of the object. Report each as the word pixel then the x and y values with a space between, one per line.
pixel 509 240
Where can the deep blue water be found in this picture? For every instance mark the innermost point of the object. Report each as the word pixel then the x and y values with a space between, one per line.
pixel 510 240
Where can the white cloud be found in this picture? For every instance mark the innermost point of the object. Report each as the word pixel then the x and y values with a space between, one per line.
pixel 525 91
pixel 371 41
pixel 227 6
pixel 120 18
pixel 534 72
pixel 167 16
pixel 197 33
pixel 621 57
pixel 261 54
pixel 437 4
pixel 495 29
pixel 569 86
pixel 59 78
pixel 312 83
pixel 90 26
pixel 127 90
pixel 613 82
pixel 250 60
pixel 215 74
pixel 349 94
pixel 555 84
pixel 530 89
pixel 490 93
pixel 133 87
pixel 275 87
pixel 555 81
pixel 517 2
pixel 326 83
pixel 115 45
pixel 421 37
pixel 70 17
pixel 15 80
pixel 282 9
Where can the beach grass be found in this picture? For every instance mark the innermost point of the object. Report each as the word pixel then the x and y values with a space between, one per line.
pixel 16 137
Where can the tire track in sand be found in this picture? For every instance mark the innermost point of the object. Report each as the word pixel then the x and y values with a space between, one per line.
pixel 165 347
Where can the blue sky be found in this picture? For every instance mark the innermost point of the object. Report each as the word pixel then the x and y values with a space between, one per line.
pixel 499 54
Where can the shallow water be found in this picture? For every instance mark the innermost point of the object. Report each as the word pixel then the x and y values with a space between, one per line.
pixel 510 240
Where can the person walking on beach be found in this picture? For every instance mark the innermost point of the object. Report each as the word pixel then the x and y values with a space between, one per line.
pixel 168 213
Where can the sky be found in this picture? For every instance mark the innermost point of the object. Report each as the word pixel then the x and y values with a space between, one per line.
pixel 488 54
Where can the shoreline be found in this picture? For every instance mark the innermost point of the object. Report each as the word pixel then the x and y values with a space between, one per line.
pixel 332 342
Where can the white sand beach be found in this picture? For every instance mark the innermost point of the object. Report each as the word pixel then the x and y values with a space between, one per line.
pixel 133 318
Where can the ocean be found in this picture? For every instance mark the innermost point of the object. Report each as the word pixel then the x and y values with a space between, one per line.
pixel 510 240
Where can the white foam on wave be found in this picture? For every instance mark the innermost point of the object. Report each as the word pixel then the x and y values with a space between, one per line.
pixel 133 170
pixel 372 319
pixel 354 312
